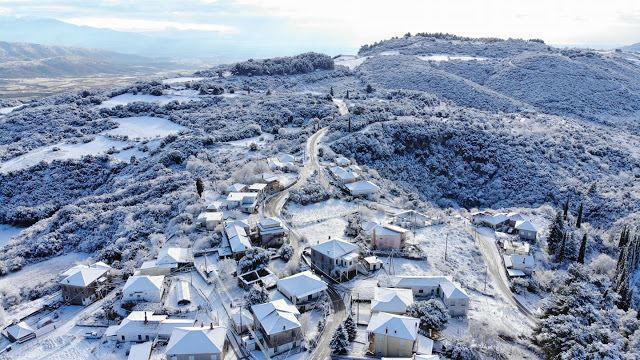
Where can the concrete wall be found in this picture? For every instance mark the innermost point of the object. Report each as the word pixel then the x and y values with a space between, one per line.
pixel 389 346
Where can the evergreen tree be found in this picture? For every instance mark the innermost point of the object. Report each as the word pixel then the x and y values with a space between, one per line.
pixel 563 247
pixel 350 327
pixel 579 220
pixel 331 91
pixel 340 341
pixel 349 123
pixel 583 249
pixel 369 89
pixel 556 234
pixel 565 209
pixel 347 94
pixel 432 314
pixel 248 91
pixel 257 295
pixel 199 187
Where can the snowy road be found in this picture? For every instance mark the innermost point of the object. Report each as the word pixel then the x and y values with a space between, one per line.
pixel 492 258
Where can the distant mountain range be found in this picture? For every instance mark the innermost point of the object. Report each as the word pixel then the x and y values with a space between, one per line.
pixel 633 47
pixel 25 60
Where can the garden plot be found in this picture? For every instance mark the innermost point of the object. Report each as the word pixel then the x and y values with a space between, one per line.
pixel 144 127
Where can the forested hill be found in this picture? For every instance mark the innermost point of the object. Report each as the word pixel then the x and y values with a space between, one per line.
pixel 590 84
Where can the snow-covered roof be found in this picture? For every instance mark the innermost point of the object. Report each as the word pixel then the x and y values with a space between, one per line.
pixel 238 239
pixel 19 330
pixel 452 291
pixel 268 177
pixel 335 248
pixel 182 290
pixel 515 273
pixel 418 281
pixel 276 316
pixel 286 158
pixel 367 226
pixel 237 187
pixel 372 260
pixel 171 256
pixel 143 283
pixel 397 326
pixel 257 187
pixel 342 161
pixel 135 323
pixel 214 206
pixel 391 300
pixel 516 246
pixel 246 317
pixel 242 196
pixel 140 351
pixel 496 219
pixel 425 346
pixel 83 276
pixel 211 216
pixel 526 226
pixel 362 186
pixel 510 260
pixel 267 223
pixel 302 284
pixel 388 230
pixel 514 216
pixel 354 168
pixel 197 340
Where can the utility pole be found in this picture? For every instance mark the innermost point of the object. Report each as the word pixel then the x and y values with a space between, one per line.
pixel 358 306
pixel 486 269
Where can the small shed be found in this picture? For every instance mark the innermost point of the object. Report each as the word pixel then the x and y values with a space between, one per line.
pixel 183 292
pixel 20 332
pixel 373 263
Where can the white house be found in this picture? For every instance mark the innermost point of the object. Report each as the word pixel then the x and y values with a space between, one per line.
pixel 142 326
pixel 342 175
pixel 494 221
pixel 302 289
pixel 393 301
pixel 272 231
pixel 237 187
pixel 191 343
pixel 336 258
pixel 278 324
pixel 373 263
pixel 518 265
pixel 453 296
pixel 272 181
pixel 362 188
pixel 81 285
pixel 410 219
pixel 143 288
pixel 173 257
pixel 210 219
pixel 342 161
pixel 526 230
pixel 388 237
pixel 245 201
pixel 514 217
pixel 391 335
pixel 354 169
pixel 258 188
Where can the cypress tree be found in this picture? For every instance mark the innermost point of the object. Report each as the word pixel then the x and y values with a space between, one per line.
pixel 583 249
pixel 347 94
pixel 331 91
pixel 199 187
pixel 579 220
pixel 350 327
pixel 562 248
pixel 556 233
pixel 565 209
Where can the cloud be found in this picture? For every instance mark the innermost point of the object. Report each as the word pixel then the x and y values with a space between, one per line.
pixel 146 25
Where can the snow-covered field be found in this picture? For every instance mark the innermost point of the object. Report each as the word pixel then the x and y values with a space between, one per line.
pixel 162 100
pixel 62 151
pixel 7 232
pixel 329 209
pixel 144 127
pixel 350 61
pixel 447 57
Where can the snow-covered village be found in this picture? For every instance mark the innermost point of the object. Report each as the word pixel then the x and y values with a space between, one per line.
pixel 419 197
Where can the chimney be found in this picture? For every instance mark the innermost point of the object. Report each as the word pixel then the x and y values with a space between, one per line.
pixel 329 237
pixel 210 326
pixel 202 324
pixel 145 317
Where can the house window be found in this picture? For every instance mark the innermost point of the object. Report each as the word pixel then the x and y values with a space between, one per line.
pixel 420 291
pixel 139 337
pixel 192 357
pixel 122 337
pixel 310 297
pixel 147 337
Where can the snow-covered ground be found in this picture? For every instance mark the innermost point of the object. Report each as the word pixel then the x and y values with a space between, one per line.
pixel 144 127
pixel 183 79
pixel 350 61
pixel 332 208
pixel 6 110
pixel 7 232
pixel 162 100
pixel 62 151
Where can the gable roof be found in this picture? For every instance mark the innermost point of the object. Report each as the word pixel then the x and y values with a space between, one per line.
pixel 526 226
pixel 237 187
pixel 302 284
pixel 196 340
pixel 237 236
pixel 410 214
pixel 276 316
pixel 388 230
pixel 140 351
pixel 83 276
pixel 514 216
pixel 415 281
pixel 335 248
pixel 172 256
pixel 452 291
pixel 510 260
pixel 402 327
pixel 392 300
pixel 287 158
pixel 143 283
pixel 362 186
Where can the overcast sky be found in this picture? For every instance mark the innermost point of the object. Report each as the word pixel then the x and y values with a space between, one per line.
pixel 355 22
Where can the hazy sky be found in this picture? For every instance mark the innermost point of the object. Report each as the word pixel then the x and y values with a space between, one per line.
pixel 355 22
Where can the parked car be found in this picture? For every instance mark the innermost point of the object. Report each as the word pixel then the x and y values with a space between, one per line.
pixel 92 335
